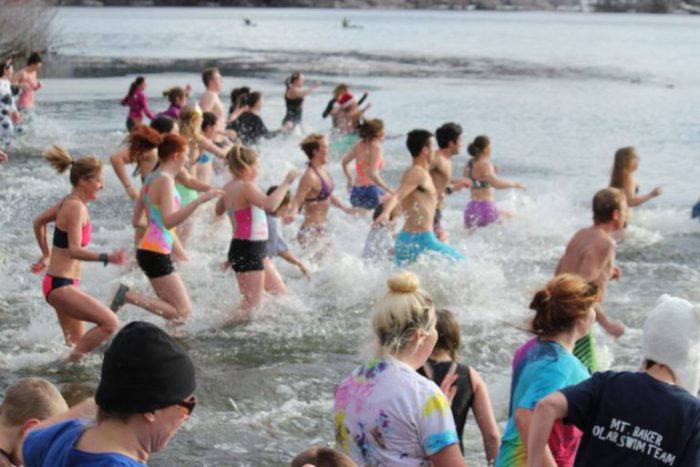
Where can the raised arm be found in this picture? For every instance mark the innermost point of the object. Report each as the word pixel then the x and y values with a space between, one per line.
pixel 119 161
pixel 255 196
pixel 498 183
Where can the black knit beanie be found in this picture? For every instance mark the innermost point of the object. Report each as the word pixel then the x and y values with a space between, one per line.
pixel 143 370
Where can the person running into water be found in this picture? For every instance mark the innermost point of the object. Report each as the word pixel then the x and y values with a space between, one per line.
pixel 28 83
pixel 591 254
pixel 368 186
pixel 622 178
pixel 276 246
pixel 471 389
pixel 10 117
pixel 315 193
pixel 449 140
pixel 177 97
pixel 544 364
pixel 72 235
pixel 615 410
pixel 481 210
pixel 246 204
pixel 418 199
pixel 294 99
pixel 204 163
pixel 211 102
pixel 137 102
pixel 249 126
pixel 161 202
pixel 385 412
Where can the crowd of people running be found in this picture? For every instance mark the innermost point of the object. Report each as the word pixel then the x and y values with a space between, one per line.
pixel 405 406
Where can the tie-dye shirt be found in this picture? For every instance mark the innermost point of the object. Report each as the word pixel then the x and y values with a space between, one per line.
pixel 540 368
pixel 157 238
pixel 387 414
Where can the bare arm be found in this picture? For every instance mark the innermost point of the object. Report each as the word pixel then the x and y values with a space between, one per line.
pixel 138 212
pixel 172 218
pixel 39 226
pixel 349 157
pixel 119 161
pixel 290 258
pixel 523 420
pixel 498 183
pixel 633 200
pixel 302 192
pixel 187 180
pixel 449 456
pixel 485 419
pixel 549 409
pixel 206 145
pixel 255 196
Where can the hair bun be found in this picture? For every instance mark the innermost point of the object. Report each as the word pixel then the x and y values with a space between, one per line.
pixel 541 299
pixel 403 282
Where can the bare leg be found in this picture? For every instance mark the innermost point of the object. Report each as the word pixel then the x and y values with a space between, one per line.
pixel 251 285
pixel 273 281
pixel 184 230
pixel 172 303
pixel 73 305
pixel 178 252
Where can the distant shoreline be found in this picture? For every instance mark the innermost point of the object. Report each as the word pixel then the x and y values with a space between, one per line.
pixel 583 6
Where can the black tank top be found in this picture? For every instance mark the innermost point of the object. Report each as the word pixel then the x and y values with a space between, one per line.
pixel 465 393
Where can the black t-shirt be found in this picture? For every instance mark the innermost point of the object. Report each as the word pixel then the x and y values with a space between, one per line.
pixel 465 393
pixel 632 419
pixel 251 128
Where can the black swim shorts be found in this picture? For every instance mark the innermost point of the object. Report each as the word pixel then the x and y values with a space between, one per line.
pixel 154 264
pixel 247 255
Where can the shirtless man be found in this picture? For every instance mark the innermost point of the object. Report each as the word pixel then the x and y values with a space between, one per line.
pixel 449 139
pixel 591 255
pixel 419 199
pixel 210 101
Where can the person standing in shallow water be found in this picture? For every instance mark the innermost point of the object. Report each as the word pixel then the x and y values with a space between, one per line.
pixel 418 199
pixel 385 412
pixel 29 84
pixel 63 263
pixel 591 254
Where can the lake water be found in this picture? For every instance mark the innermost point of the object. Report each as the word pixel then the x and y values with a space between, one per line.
pixel 558 93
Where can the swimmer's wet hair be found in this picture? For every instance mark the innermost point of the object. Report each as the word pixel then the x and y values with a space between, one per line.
pixel 322 457
pixel 174 93
pixel 142 140
pixel 172 145
pixel 605 203
pixel 403 310
pixel 83 168
pixel 370 129
pixel 449 337
pixel 30 398
pixel 239 158
pixel 191 122
pixel 479 145
pixel 311 144
pixel 416 140
pixel 448 133
pixel 620 173
pixel 561 302
pixel 208 75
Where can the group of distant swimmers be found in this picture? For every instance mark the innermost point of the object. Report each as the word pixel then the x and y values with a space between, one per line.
pixel 385 412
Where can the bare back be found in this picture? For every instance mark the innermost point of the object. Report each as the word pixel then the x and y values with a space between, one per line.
pixel 210 102
pixel 591 255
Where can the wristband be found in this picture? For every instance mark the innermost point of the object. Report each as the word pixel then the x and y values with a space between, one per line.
pixel 449 190
pixel 104 257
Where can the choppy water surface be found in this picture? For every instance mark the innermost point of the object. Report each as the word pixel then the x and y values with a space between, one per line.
pixel 583 86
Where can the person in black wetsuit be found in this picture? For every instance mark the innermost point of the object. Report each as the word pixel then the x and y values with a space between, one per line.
pixel 471 389
pixel 294 98
pixel 249 126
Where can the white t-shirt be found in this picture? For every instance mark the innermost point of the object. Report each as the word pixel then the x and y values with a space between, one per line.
pixel 387 414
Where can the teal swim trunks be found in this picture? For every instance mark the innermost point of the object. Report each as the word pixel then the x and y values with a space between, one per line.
pixel 409 246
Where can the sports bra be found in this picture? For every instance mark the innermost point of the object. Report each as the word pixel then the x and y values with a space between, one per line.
pixel 60 237
pixel 251 223
pixel 326 189
pixel 476 184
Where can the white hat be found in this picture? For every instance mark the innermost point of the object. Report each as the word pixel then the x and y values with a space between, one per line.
pixel 672 337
